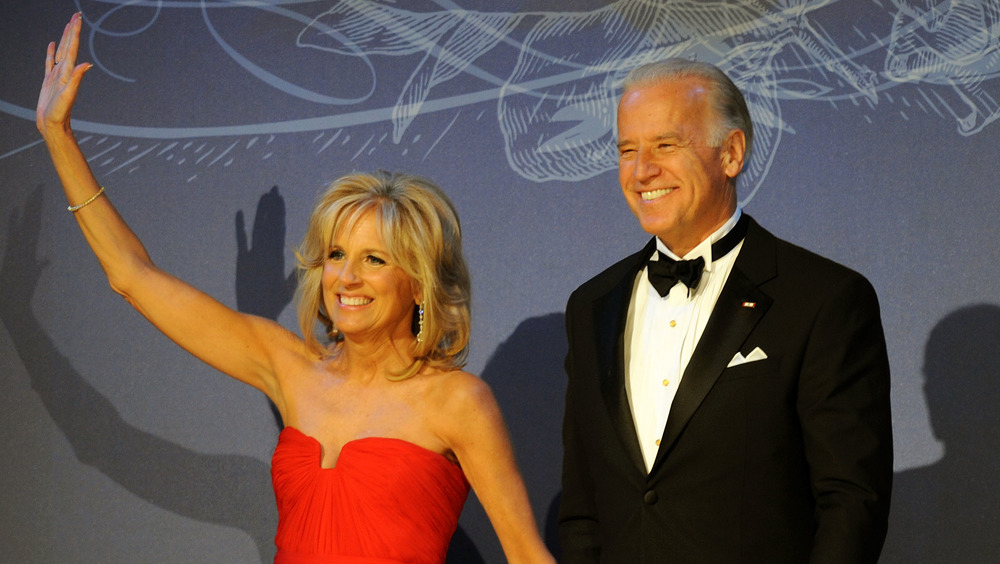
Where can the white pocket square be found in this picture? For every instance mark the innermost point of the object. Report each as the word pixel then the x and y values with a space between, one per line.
pixel 739 359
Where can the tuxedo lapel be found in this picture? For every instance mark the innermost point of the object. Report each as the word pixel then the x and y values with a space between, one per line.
pixel 740 306
pixel 610 313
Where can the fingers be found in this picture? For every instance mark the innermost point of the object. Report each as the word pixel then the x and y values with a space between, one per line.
pixel 62 79
pixel 69 40
pixel 61 57
pixel 69 43
pixel 50 53
pixel 77 77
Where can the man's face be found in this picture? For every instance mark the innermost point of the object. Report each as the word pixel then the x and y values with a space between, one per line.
pixel 679 187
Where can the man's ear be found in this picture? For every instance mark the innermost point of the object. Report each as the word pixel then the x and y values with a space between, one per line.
pixel 733 151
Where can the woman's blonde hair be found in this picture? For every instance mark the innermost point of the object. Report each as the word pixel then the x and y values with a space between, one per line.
pixel 420 229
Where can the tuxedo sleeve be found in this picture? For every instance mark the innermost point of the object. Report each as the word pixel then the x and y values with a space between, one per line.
pixel 844 409
pixel 578 525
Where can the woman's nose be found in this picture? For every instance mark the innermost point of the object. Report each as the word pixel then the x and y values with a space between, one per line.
pixel 349 272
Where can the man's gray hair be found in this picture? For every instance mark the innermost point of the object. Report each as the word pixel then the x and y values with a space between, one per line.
pixel 725 97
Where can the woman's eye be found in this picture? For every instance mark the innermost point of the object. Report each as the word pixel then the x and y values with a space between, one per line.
pixel 375 260
pixel 336 254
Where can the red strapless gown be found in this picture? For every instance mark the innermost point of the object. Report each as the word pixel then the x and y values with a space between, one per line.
pixel 387 501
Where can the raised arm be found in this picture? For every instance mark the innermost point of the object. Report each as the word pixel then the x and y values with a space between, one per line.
pixel 242 346
pixel 477 435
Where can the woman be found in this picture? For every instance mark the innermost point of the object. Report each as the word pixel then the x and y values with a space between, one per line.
pixel 384 433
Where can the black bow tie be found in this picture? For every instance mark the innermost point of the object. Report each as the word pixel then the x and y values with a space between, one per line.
pixel 663 274
pixel 666 272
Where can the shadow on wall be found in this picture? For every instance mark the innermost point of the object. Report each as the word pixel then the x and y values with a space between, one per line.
pixel 947 512
pixel 233 491
pixel 528 379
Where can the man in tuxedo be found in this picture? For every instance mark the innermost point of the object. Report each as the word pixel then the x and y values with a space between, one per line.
pixel 728 393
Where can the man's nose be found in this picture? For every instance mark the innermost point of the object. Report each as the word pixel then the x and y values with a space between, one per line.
pixel 645 167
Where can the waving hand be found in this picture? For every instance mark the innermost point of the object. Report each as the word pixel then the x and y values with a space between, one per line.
pixel 62 80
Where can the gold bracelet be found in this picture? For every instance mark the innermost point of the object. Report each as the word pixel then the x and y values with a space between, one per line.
pixel 92 198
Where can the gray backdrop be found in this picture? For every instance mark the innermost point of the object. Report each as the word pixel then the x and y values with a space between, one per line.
pixel 213 125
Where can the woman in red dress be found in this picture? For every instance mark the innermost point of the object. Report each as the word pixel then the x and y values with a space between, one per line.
pixel 384 432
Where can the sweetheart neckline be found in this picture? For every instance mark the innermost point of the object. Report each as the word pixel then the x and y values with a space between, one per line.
pixel 415 446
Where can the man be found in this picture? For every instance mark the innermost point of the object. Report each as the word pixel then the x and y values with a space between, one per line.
pixel 740 415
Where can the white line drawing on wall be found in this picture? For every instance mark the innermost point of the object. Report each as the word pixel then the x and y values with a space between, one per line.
pixel 954 43
pixel 553 77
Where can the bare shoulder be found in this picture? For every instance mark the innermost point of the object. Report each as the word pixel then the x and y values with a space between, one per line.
pixel 461 405
pixel 455 392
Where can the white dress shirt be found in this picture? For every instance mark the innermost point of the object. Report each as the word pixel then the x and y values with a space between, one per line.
pixel 661 334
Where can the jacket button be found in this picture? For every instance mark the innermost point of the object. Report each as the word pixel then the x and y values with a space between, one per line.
pixel 650 498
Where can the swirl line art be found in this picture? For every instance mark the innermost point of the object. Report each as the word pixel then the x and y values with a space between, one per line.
pixel 554 77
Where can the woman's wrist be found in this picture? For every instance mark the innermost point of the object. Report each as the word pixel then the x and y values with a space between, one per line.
pixel 58 134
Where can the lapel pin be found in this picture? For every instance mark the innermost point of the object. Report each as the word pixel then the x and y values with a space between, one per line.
pixel 750 304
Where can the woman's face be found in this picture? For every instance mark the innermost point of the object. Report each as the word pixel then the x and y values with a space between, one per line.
pixel 365 294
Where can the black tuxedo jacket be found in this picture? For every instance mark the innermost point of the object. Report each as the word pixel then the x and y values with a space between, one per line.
pixel 781 460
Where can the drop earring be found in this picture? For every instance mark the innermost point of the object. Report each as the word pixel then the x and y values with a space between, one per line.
pixel 420 323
